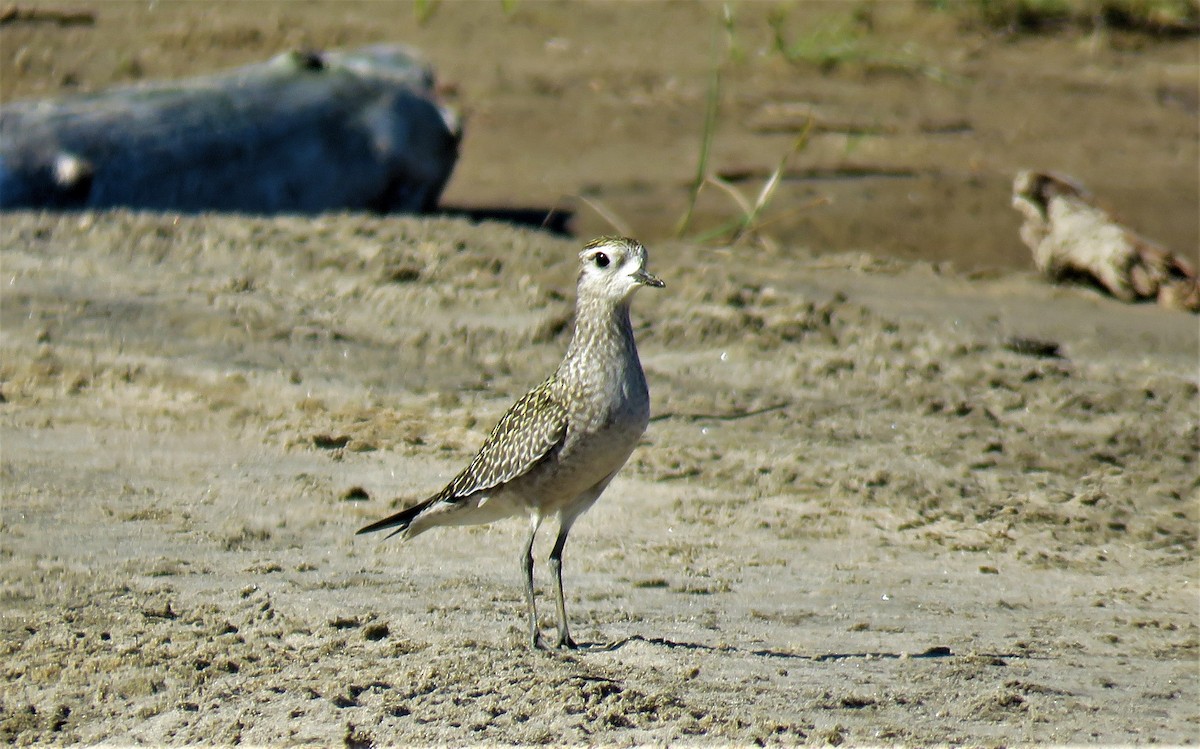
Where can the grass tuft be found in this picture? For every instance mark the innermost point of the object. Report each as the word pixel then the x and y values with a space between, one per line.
pixel 749 223
pixel 836 42
pixel 711 108
pixel 423 10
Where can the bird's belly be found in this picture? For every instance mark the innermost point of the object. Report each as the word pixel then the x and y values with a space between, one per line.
pixel 585 462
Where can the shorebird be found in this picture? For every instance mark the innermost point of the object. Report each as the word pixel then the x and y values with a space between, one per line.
pixel 558 447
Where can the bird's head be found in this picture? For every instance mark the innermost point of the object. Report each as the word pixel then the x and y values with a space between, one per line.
pixel 613 268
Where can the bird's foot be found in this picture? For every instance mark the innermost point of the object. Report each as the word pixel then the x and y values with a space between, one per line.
pixel 537 642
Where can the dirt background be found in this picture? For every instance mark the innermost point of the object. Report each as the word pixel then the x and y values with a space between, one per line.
pixel 860 515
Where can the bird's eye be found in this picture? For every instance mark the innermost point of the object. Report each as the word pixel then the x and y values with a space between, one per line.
pixel 601 260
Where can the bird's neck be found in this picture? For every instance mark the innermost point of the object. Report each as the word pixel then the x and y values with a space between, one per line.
pixel 600 327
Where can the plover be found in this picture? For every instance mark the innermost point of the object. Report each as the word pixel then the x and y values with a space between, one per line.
pixel 559 446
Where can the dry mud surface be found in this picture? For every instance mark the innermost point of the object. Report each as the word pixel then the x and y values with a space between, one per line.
pixel 919 120
pixel 858 515
pixel 861 514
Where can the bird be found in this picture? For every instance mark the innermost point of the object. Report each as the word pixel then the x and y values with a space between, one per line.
pixel 559 446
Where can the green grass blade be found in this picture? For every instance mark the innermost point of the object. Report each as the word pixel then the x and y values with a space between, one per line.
pixel 710 125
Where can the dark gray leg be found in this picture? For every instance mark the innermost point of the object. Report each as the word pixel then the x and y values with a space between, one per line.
pixel 535 636
pixel 564 633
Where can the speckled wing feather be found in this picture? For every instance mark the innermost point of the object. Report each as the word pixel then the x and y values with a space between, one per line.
pixel 533 427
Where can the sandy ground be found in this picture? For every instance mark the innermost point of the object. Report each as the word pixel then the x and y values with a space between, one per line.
pixel 865 511
pixel 848 470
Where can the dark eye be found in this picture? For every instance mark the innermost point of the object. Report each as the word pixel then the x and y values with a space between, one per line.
pixel 601 259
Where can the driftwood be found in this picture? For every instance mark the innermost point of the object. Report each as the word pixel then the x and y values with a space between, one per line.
pixel 1073 238
pixel 303 132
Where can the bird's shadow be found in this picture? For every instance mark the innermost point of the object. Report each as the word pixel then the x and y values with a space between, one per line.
pixel 938 651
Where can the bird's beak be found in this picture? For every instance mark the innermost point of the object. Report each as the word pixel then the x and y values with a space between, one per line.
pixel 648 279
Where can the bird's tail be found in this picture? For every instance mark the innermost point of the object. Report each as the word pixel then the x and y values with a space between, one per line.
pixel 400 521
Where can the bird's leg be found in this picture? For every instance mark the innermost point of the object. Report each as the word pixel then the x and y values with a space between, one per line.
pixel 564 634
pixel 535 635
